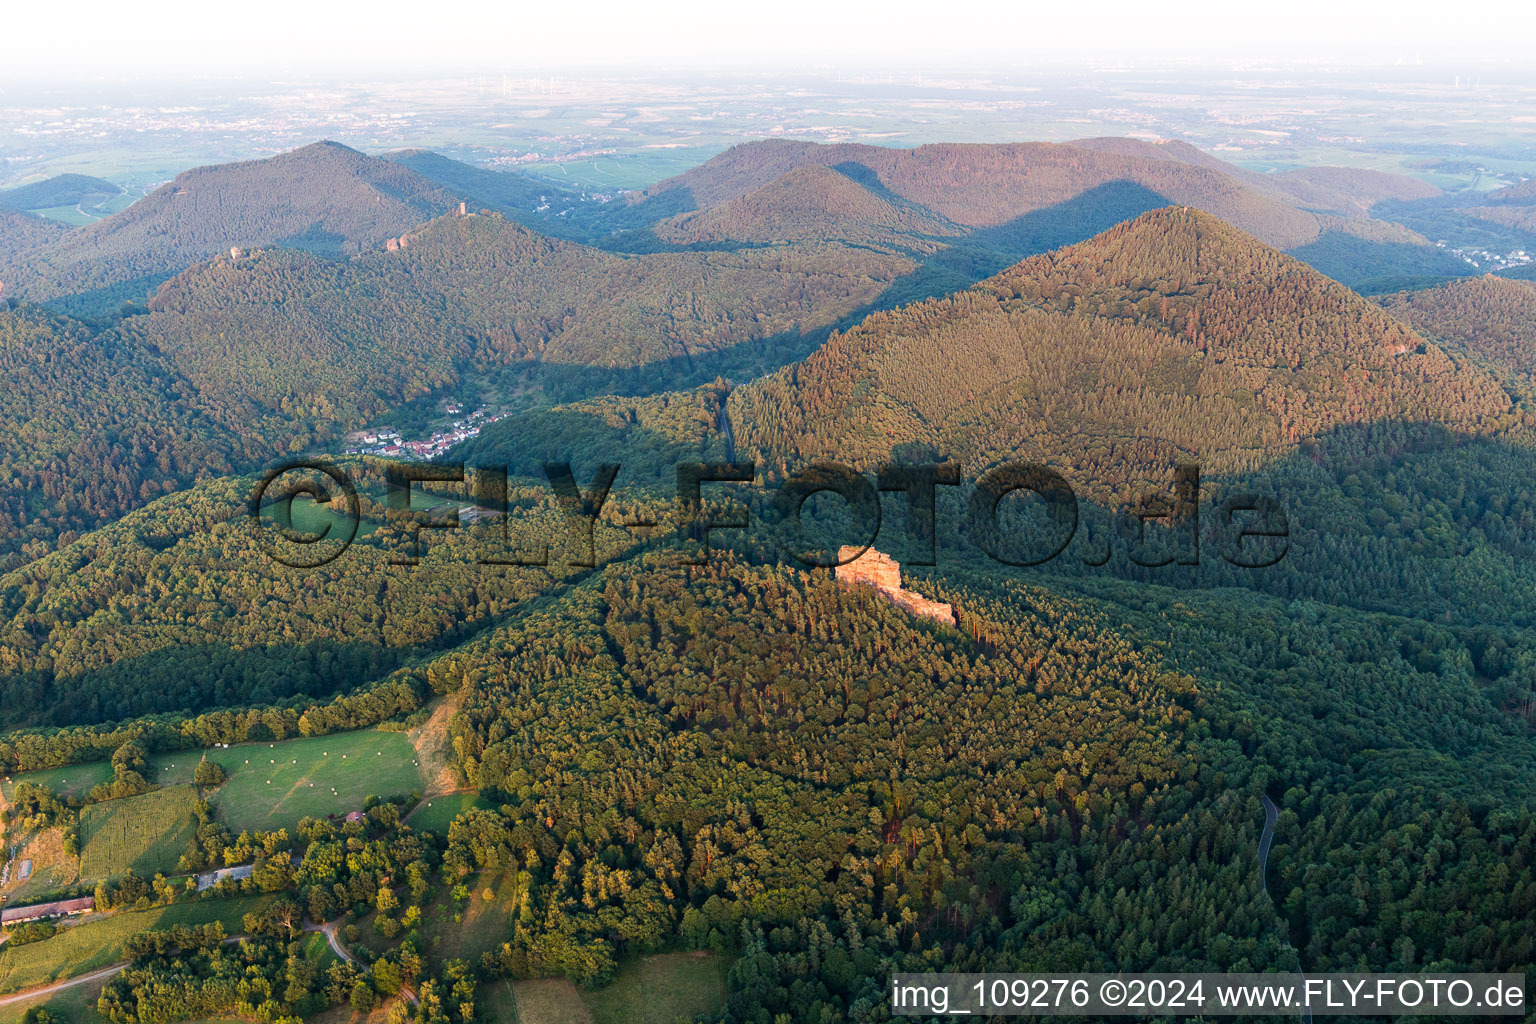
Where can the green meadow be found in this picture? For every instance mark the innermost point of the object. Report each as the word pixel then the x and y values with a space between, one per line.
pixel 71 1005
pixel 71 780
pixel 273 785
pixel 436 814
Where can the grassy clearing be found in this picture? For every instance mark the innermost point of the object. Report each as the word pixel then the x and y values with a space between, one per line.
pixel 344 1014
pixel 318 950
pixel 455 930
pixel 274 785
pixel 97 943
pixel 660 989
pixel 483 925
pixel 306 515
pixel 67 215
pixel 437 814
pixel 71 780
pixel 143 834
pixel 651 990
pixel 271 785
pixel 494 1002
pixel 546 1001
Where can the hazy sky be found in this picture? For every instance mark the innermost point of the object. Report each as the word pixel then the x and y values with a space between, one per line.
pixel 80 42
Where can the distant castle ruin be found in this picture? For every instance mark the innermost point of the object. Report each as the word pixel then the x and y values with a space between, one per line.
pixel 881 571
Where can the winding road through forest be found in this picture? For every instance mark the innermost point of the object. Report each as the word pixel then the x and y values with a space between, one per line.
pixel 725 428
pixel 1266 839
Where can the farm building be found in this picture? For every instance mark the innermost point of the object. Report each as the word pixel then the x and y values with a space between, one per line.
pixel 41 911
pixel 213 878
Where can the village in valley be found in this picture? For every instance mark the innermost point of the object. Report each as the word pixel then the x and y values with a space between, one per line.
pixel 388 443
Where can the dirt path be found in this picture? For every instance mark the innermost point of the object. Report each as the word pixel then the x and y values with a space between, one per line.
pixel 329 931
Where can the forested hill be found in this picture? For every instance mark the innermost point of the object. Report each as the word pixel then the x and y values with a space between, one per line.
pixel 324 198
pixel 967 210
pixel 60 190
pixel 1175 335
pixel 1014 200
pixel 747 756
pixel 89 427
pixel 340 339
pixel 1492 317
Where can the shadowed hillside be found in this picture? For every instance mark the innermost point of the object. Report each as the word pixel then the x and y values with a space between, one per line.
pixel 1346 191
pixel 987 185
pixel 344 340
pixel 1320 213
pixel 808 204
pixel 88 429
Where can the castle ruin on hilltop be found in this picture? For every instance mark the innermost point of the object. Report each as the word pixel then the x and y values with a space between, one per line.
pixel 881 571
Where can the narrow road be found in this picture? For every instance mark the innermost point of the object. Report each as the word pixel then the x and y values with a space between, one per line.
pixel 84 979
pixel 47 990
pixel 1271 815
pixel 329 931
pixel 730 435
